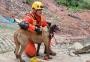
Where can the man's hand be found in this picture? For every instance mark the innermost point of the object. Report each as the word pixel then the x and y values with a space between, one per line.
pixel 38 30
pixel 23 25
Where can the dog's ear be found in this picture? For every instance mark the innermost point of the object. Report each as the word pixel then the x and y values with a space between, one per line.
pixel 49 24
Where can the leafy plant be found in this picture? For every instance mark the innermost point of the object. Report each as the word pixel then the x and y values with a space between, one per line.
pixel 27 1
pixel 75 3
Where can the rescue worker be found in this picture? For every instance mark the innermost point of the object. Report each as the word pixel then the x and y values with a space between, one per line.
pixel 36 20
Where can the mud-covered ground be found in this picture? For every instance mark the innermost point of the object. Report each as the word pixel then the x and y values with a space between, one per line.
pixel 62 56
pixel 75 27
pixel 62 46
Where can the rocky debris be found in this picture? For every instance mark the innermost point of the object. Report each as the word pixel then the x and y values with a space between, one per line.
pixel 63 48
pixel 62 56
pixel 70 23
pixel 14 8
pixel 72 30
pixel 6 41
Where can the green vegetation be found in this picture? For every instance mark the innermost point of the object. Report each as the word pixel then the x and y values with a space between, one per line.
pixel 27 1
pixel 81 4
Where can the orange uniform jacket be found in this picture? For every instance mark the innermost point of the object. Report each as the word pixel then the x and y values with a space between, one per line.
pixel 35 20
pixel 30 49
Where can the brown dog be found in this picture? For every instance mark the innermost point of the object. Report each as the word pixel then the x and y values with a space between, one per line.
pixel 52 29
pixel 21 38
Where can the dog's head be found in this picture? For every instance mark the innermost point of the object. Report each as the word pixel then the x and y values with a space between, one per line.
pixel 54 28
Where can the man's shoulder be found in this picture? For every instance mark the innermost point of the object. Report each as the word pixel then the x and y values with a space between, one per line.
pixel 27 15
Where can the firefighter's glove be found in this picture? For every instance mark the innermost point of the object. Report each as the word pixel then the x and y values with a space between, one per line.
pixel 38 30
pixel 23 25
